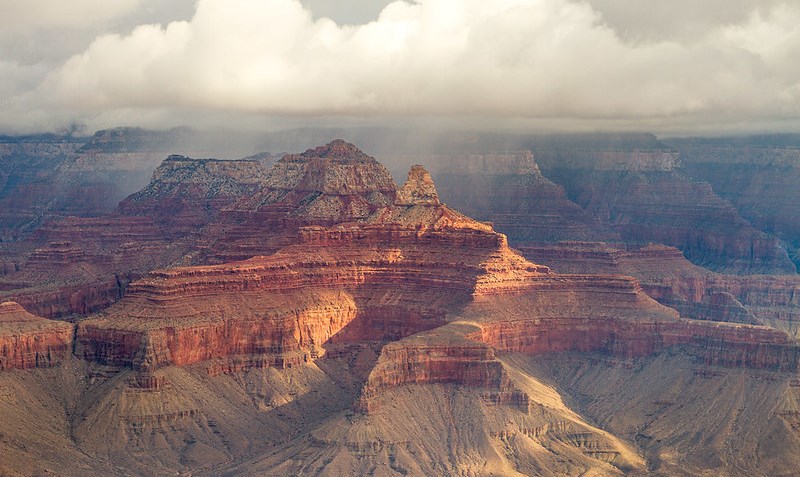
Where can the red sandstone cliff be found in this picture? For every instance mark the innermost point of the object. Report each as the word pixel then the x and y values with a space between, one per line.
pixel 672 280
pixel 396 274
pixel 28 341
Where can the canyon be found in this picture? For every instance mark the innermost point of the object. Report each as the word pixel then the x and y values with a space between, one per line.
pixel 304 315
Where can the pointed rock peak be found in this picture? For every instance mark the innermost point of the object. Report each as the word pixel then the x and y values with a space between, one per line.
pixel 339 150
pixel 419 188
pixel 11 312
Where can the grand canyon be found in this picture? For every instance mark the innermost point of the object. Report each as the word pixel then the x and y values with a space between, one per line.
pixel 578 307
pixel 420 238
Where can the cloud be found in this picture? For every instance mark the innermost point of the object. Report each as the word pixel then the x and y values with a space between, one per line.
pixel 542 60
pixel 21 15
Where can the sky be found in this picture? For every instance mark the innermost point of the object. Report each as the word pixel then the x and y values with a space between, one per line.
pixel 681 67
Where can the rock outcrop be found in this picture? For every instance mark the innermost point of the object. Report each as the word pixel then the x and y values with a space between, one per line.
pixel 379 300
pixel 326 185
pixel 442 356
pixel 396 274
pixel 161 225
pixel 29 341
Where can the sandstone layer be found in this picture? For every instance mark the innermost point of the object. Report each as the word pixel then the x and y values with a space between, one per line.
pixel 375 330
pixel 330 184
pixel 395 275
pixel 695 292
pixel 29 341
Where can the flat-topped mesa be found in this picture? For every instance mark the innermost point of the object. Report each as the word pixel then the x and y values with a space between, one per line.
pixel 419 189
pixel 634 161
pixel 29 341
pixel 441 356
pixel 491 163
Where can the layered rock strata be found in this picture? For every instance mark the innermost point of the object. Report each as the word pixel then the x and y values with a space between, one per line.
pixel 330 184
pixel 185 194
pixel 161 225
pixel 509 190
pixel 442 356
pixel 395 275
pixel 29 341
pixel 647 197
pixel 758 175
pixel 695 292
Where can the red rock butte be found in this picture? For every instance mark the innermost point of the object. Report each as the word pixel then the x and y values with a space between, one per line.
pixel 404 270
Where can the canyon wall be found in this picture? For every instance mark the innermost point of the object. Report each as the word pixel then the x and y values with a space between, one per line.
pixel 760 180
pixel 509 190
pixel 29 341
pixel 653 200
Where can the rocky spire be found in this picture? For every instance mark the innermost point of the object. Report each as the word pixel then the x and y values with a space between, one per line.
pixel 419 188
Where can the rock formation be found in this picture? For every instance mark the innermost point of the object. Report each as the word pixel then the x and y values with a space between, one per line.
pixel 647 197
pixel 510 191
pixel 330 184
pixel 374 330
pixel 396 274
pixel 695 292
pixel 186 194
pixel 29 341
pixel 758 175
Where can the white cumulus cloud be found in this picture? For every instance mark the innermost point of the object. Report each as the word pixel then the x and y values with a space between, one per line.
pixel 563 60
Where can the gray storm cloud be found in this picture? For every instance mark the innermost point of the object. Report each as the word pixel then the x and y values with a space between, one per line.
pixel 601 63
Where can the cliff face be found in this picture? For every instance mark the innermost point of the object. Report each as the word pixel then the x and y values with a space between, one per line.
pixel 28 183
pixel 396 274
pixel 29 341
pixel 442 356
pixel 417 317
pixel 695 292
pixel 648 198
pixel 79 265
pixel 761 181
pixel 510 191
pixel 330 184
